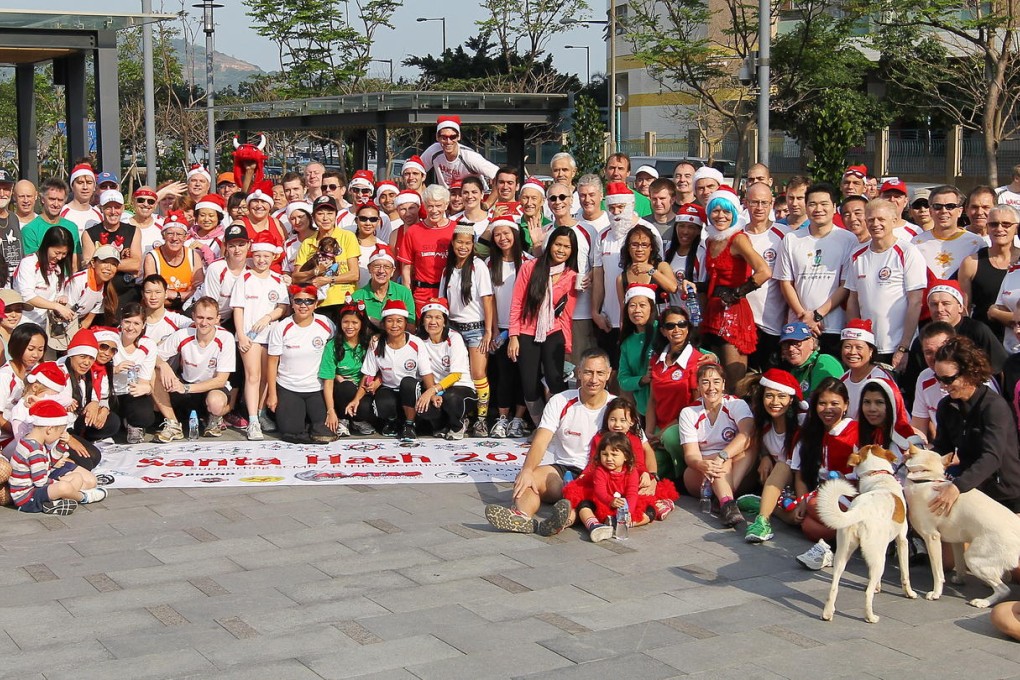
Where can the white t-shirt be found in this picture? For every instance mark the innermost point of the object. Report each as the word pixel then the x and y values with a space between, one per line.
pixel 775 444
pixel 29 283
pixel 199 363
pixel 573 425
pixel 11 389
pixel 679 267
pixel 907 231
pixel 410 361
pixel 711 438
pixel 767 303
pixel 150 237
pixel 1004 195
pixel 586 236
pixel 300 352
pixel 882 281
pixel 817 267
pixel 167 326
pixel 943 257
pixel 481 285
pixel 219 283
pixel 504 292
pixel 258 296
pixel 1009 295
pixel 928 392
pixel 854 389
pixel 83 218
pixel 450 356
pixel 607 254
pixel 468 163
pixel 80 297
pixel 144 355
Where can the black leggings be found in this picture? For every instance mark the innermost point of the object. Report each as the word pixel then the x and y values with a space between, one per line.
pixel 547 356
pixel 92 434
pixel 294 409
pixel 90 459
pixel 343 394
pixel 453 409
pixel 389 401
pixel 136 411
pixel 505 378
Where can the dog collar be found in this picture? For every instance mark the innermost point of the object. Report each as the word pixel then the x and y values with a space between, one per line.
pixel 878 472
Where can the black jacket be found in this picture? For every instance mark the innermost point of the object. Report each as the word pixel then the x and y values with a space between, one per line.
pixel 982 432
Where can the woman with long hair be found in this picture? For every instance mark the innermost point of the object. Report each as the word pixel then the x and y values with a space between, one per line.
pixel 540 318
pixel 858 350
pixel 91 293
pixel 444 405
pixel 41 276
pixel 686 254
pixel 638 331
pixel 641 262
pixel 340 372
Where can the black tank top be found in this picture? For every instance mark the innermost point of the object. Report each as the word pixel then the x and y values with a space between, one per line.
pixel 119 239
pixel 984 290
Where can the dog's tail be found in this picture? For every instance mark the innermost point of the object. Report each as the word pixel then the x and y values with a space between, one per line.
pixel 828 508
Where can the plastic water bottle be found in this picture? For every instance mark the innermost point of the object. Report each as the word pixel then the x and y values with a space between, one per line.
pixel 706 496
pixel 252 335
pixel 193 425
pixel 690 298
pixel 622 532
pixel 132 375
pixel 499 341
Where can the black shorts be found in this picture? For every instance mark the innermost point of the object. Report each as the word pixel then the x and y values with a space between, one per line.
pixel 184 404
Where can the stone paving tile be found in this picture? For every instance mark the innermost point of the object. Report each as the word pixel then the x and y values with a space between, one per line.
pixel 164 664
pixel 604 644
pixel 465 591
pixel 392 654
pixel 868 657
pixel 226 652
pixel 340 587
pixel 313 535
pixel 626 666
pixel 291 618
pixel 742 617
pixel 525 658
pixel 747 671
pixel 36 633
pixel 973 664
pixel 440 572
pixel 129 598
pixel 254 579
pixel 248 603
pixel 278 557
pixel 53 657
pixel 201 551
pixel 582 573
pixel 613 589
pixel 30 593
pixel 506 607
pixel 163 573
pixel 288 669
pixel 726 650
pixel 400 559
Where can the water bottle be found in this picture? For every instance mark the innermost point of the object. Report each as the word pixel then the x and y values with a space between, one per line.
pixel 622 520
pixel 499 341
pixel 690 298
pixel 252 335
pixel 193 425
pixel 132 375
pixel 706 496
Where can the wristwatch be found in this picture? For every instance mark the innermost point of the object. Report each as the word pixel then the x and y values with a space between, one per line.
pixel 903 349
pixel 818 317
pixel 723 456
pixel 187 388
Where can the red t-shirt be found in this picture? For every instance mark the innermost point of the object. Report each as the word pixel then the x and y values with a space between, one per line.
pixel 276 235
pixel 837 445
pixel 425 249
pixel 674 385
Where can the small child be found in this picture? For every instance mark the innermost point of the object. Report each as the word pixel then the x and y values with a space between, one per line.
pixel 324 263
pixel 43 479
pixel 46 381
pixel 583 493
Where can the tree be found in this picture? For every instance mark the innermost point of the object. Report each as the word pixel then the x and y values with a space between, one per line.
pixel 321 50
pixel 696 51
pixel 961 60
pixel 585 141
pixel 835 134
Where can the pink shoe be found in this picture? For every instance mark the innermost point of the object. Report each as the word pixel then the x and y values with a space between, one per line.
pixel 236 421
pixel 663 508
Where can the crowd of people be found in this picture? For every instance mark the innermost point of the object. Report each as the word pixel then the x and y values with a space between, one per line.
pixel 677 335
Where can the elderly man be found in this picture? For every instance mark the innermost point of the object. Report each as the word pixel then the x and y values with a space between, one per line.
pixel 381 288
pixel 569 422
pixel 854 182
pixel 895 190
pixel 199 180
pixel 424 246
pixel 946 246
pixel 313 180
pixel 978 205
pixel 799 354
pixel 683 178
pixel 563 169
pixel 24 198
pixel 592 222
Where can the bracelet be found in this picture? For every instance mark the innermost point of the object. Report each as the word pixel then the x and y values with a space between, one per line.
pixel 654 475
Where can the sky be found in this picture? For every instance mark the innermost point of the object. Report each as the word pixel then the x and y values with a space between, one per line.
pixel 423 38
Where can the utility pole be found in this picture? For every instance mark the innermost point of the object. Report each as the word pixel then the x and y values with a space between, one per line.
pixel 150 98
pixel 209 27
pixel 764 51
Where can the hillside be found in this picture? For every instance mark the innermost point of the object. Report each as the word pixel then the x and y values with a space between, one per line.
pixel 227 70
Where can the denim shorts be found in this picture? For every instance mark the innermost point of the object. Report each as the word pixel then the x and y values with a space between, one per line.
pixel 472 338
pixel 35 502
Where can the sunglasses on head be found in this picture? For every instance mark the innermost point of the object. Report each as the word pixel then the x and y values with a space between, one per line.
pixel 558 197
pixel 670 325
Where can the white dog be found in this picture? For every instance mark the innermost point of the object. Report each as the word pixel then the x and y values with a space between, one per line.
pixel 992 531
pixel 875 517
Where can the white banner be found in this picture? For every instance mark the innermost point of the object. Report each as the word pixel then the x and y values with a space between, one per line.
pixel 347 461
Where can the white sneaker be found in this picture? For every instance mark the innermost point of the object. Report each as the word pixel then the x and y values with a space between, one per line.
pixel 93 495
pixel 600 533
pixel 135 435
pixel 516 429
pixel 500 429
pixel 817 557
pixel 254 431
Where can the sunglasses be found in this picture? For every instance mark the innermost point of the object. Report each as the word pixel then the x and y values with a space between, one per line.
pixel 558 197
pixel 330 187
pixel 947 379
pixel 945 206
pixel 361 191
pixel 448 138
pixel 919 203
pixel 145 201
pixel 670 325
pixel 1004 225
pixel 106 347
pixel 304 302
pixel 371 220
pixel 14 309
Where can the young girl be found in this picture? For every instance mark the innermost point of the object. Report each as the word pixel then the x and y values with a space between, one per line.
pixel 258 299
pixel 45 381
pixel 323 263
pixel 857 346
pixel 340 372
pixel 654 496
pixel 445 403
pixel 468 287
pixel 504 263
pixel 133 367
pixel 206 237
pixel 826 442
pixel 884 421
pixel 778 407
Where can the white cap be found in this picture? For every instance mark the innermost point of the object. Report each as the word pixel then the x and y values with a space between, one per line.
pixel 648 170
pixel 111 196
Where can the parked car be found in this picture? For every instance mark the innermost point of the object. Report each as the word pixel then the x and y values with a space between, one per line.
pixel 665 165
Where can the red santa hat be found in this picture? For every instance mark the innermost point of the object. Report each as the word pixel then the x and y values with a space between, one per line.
pixel 635 290
pixel 395 308
pixel 902 432
pixel 83 344
pixel 534 184
pixel 382 252
pixel 384 186
pixel 199 169
pixel 416 163
pixel 364 179
pixel 81 170
pixel 691 212
pixel 618 192
pixel 407 196
pixel 860 171
pixel 783 381
pixel 212 202
pixel 105 334
pixel 858 329
pixel 707 172
pixel 503 222
pixel 259 195
pixel 47 413
pixel 434 305
pixel 264 243
pixel 451 122
pixel 49 375
pixel 946 286
pixel 174 219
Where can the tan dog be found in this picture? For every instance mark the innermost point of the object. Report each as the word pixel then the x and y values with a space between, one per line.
pixel 992 531
pixel 875 517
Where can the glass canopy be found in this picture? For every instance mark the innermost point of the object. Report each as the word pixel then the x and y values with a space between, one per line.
pixel 29 19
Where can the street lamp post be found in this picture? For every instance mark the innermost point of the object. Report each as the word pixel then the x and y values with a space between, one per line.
pixel 764 55
pixel 587 59
pixel 209 27
pixel 443 19
pixel 390 62
pixel 149 94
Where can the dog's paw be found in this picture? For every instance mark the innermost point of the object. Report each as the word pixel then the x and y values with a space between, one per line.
pixel 872 619
pixel 878 588
pixel 980 603
pixel 909 593
pixel 827 613
pixel 956 579
pixel 932 595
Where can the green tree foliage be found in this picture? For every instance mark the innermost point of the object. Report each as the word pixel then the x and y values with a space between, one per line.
pixel 585 141
pixel 835 133
pixel 49 110
pixel 323 49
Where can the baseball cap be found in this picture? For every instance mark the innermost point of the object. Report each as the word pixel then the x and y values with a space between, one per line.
pixel 921 194
pixel 894 184
pixel 111 196
pixel 106 252
pixel 797 331
pixel 235 232
pixel 648 170
pixel 225 178
pixel 6 177
pixel 105 178
pixel 324 202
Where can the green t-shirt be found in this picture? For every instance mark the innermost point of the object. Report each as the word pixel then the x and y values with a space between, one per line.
pixel 816 369
pixel 374 306
pixel 349 367
pixel 633 366
pixel 33 232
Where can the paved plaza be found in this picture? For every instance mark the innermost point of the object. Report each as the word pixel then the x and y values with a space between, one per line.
pixel 410 582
